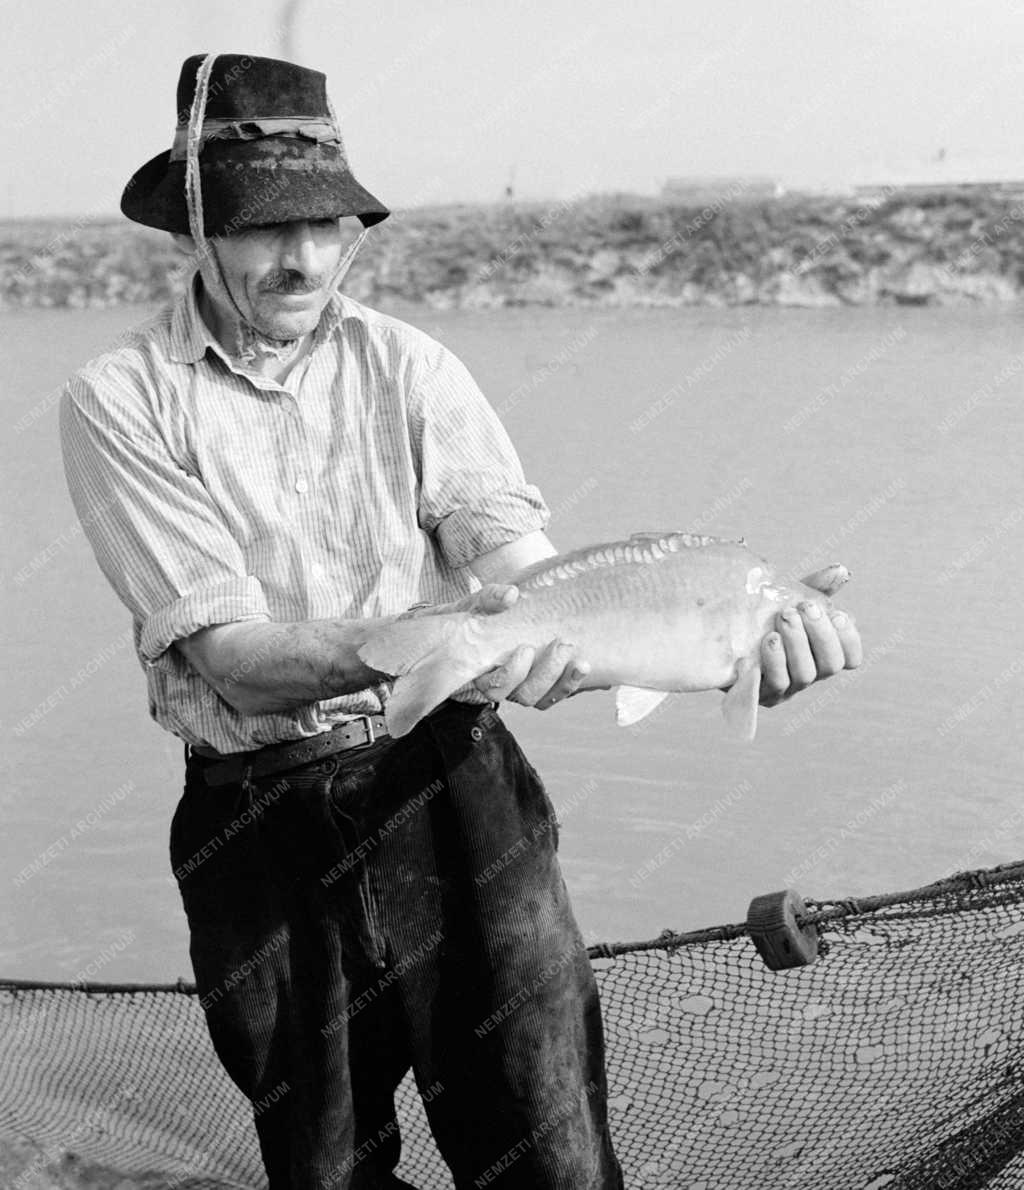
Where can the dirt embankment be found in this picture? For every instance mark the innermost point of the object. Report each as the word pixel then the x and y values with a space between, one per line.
pixel 609 251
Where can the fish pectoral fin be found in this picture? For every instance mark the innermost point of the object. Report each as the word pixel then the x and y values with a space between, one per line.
pixel 395 647
pixel 740 705
pixel 632 703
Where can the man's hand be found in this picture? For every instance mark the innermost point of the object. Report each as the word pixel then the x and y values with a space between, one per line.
pixel 532 677
pixel 536 677
pixel 809 644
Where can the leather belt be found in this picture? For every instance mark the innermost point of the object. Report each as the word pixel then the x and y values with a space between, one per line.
pixel 276 758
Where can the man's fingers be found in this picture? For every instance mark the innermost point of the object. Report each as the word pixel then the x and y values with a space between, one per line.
pixel 494 597
pixel 849 638
pixel 498 683
pixel 823 640
pixel 800 663
pixel 810 644
pixel 774 673
pixel 536 677
pixel 569 681
pixel 489 599
pixel 547 675
pixel 573 677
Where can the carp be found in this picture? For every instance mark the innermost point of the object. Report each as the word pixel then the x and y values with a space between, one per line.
pixel 656 614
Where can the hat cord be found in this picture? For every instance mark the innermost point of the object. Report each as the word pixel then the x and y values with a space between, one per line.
pixel 194 202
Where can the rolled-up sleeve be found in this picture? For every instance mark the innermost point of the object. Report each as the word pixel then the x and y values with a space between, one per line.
pixel 473 494
pixel 157 535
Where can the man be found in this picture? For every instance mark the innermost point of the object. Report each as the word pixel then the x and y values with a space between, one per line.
pixel 266 471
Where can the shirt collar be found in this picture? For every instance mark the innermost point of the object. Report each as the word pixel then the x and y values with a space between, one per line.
pixel 191 337
pixel 189 334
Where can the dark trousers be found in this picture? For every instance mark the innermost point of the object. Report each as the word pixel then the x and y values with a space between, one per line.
pixel 394 906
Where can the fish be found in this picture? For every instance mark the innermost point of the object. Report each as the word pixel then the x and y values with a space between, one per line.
pixel 656 614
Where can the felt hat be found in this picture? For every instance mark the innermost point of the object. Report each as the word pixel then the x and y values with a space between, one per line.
pixel 270 151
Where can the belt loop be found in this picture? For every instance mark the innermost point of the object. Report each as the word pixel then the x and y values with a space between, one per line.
pixel 247 786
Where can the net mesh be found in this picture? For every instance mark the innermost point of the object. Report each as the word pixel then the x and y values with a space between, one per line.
pixel 895 1060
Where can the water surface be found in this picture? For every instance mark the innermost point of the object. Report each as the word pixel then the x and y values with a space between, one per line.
pixel 888 439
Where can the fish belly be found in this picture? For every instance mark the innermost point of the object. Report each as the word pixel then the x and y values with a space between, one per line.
pixel 640 642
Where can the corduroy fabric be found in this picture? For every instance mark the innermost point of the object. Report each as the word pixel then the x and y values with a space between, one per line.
pixel 400 906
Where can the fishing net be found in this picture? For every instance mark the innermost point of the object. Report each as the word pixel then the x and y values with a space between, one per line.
pixel 896 1059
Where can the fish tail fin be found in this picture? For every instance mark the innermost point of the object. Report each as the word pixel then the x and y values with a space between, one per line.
pixel 740 705
pixel 431 657
pixel 396 647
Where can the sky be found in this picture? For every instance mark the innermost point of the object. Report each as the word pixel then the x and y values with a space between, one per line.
pixel 448 101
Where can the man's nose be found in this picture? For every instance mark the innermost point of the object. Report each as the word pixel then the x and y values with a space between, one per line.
pixel 298 247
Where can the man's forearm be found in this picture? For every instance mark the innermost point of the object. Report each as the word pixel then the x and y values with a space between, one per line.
pixel 266 668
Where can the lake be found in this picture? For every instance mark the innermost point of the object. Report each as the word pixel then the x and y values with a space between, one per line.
pixel 885 438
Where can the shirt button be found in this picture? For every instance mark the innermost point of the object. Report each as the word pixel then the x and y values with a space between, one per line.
pixel 301 485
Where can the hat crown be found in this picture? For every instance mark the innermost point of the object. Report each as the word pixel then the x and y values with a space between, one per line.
pixel 245 87
pixel 269 152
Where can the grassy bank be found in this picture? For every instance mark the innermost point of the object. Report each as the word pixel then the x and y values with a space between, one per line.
pixel 803 251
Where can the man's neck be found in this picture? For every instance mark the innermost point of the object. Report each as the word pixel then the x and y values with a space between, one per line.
pixel 269 358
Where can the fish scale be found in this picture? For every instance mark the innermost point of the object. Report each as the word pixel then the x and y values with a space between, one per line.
pixel 641 548
pixel 655 614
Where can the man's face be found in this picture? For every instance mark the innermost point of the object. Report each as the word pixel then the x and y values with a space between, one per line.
pixel 279 274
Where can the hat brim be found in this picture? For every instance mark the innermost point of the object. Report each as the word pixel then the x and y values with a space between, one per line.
pixel 250 183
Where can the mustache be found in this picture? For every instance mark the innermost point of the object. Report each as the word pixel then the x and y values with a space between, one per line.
pixel 289 281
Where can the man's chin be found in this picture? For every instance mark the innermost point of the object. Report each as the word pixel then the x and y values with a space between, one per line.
pixel 277 321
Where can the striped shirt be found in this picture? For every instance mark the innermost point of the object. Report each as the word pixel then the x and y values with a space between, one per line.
pixel 210 495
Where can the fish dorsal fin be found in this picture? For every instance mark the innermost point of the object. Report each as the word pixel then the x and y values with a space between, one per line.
pixel 632 703
pixel 641 548
pixel 677 539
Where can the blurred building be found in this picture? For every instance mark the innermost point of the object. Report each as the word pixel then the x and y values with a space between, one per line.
pixel 947 171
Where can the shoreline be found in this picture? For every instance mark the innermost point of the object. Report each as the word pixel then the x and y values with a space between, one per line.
pixel 604 252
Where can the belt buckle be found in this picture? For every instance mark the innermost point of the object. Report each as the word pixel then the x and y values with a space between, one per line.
pixel 370 734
